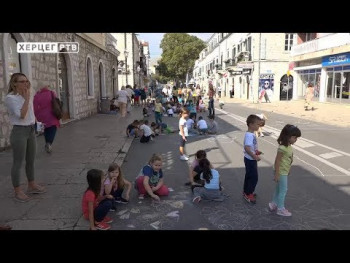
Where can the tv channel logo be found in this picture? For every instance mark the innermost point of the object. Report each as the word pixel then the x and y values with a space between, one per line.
pixel 47 47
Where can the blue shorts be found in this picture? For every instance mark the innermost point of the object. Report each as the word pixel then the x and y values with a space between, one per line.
pixel 182 141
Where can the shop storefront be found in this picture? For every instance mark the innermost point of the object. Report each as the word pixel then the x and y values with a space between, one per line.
pixel 312 76
pixel 337 86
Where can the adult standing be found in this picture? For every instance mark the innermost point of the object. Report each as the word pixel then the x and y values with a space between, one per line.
pixel 123 98
pixel 43 113
pixel 232 91
pixel 211 93
pixel 309 95
pixel 131 95
pixel 19 102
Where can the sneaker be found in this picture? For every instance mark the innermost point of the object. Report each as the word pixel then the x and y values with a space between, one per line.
pixel 196 200
pixel 283 212
pixel 272 207
pixel 141 196
pixel 249 198
pixel 121 200
pixel 48 148
pixel 113 208
pixel 183 158
pixel 107 220
pixel 102 226
pixel 254 194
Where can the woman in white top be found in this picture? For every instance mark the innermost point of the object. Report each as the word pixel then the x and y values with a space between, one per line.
pixel 123 96
pixel 19 102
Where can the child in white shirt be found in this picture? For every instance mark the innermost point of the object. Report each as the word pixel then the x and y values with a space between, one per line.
pixel 170 112
pixel 147 132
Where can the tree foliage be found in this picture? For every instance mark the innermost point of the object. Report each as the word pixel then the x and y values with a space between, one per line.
pixel 180 50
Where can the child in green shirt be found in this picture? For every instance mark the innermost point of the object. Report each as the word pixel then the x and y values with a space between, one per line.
pixel 283 162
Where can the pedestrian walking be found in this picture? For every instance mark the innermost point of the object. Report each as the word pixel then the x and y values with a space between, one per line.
pixel 232 91
pixel 211 93
pixel 283 163
pixel 43 113
pixel 19 102
pixel 123 98
pixel 309 95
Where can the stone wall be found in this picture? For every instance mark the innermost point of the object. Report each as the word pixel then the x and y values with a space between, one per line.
pixel 44 71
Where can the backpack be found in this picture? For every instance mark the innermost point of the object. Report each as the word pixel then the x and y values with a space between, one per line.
pixel 56 106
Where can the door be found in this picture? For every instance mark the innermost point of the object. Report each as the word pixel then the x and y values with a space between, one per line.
pixel 63 85
pixel 337 86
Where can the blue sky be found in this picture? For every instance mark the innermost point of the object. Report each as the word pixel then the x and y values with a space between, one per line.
pixel 154 40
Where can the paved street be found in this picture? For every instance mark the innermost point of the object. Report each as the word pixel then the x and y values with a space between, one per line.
pixel 318 193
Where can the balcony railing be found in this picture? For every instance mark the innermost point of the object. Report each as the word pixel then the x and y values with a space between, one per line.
pixel 322 43
pixel 218 66
pixel 230 62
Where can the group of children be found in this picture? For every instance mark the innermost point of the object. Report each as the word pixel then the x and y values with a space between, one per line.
pixel 282 164
pixel 104 191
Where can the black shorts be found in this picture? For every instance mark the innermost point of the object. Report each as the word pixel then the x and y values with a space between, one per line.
pixel 182 142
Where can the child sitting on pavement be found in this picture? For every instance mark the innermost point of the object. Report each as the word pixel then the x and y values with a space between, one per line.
pixel 202 126
pixel 132 129
pixel 150 180
pixel 95 206
pixel 212 184
pixel 146 132
pixel 155 128
pixel 145 112
pixel 213 125
pixel 115 184
pixel 170 112
pixel 191 126
pixel 194 175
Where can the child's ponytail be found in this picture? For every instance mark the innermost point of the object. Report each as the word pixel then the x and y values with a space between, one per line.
pixel 205 165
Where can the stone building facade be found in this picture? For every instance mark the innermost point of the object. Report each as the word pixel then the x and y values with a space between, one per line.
pixel 245 60
pixel 322 60
pixel 83 80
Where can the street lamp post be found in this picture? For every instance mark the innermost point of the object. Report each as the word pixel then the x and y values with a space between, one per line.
pixel 126 53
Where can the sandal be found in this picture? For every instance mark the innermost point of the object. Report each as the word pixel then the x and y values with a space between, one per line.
pixel 22 198
pixel 37 190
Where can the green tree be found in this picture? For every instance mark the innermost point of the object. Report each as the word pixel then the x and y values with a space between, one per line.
pixel 180 50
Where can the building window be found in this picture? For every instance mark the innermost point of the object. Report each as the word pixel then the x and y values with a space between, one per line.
pixel 14 60
pixel 308 36
pixel 288 42
pixel 249 47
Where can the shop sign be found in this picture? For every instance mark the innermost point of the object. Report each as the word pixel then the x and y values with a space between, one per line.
pixel 337 59
pixel 246 65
